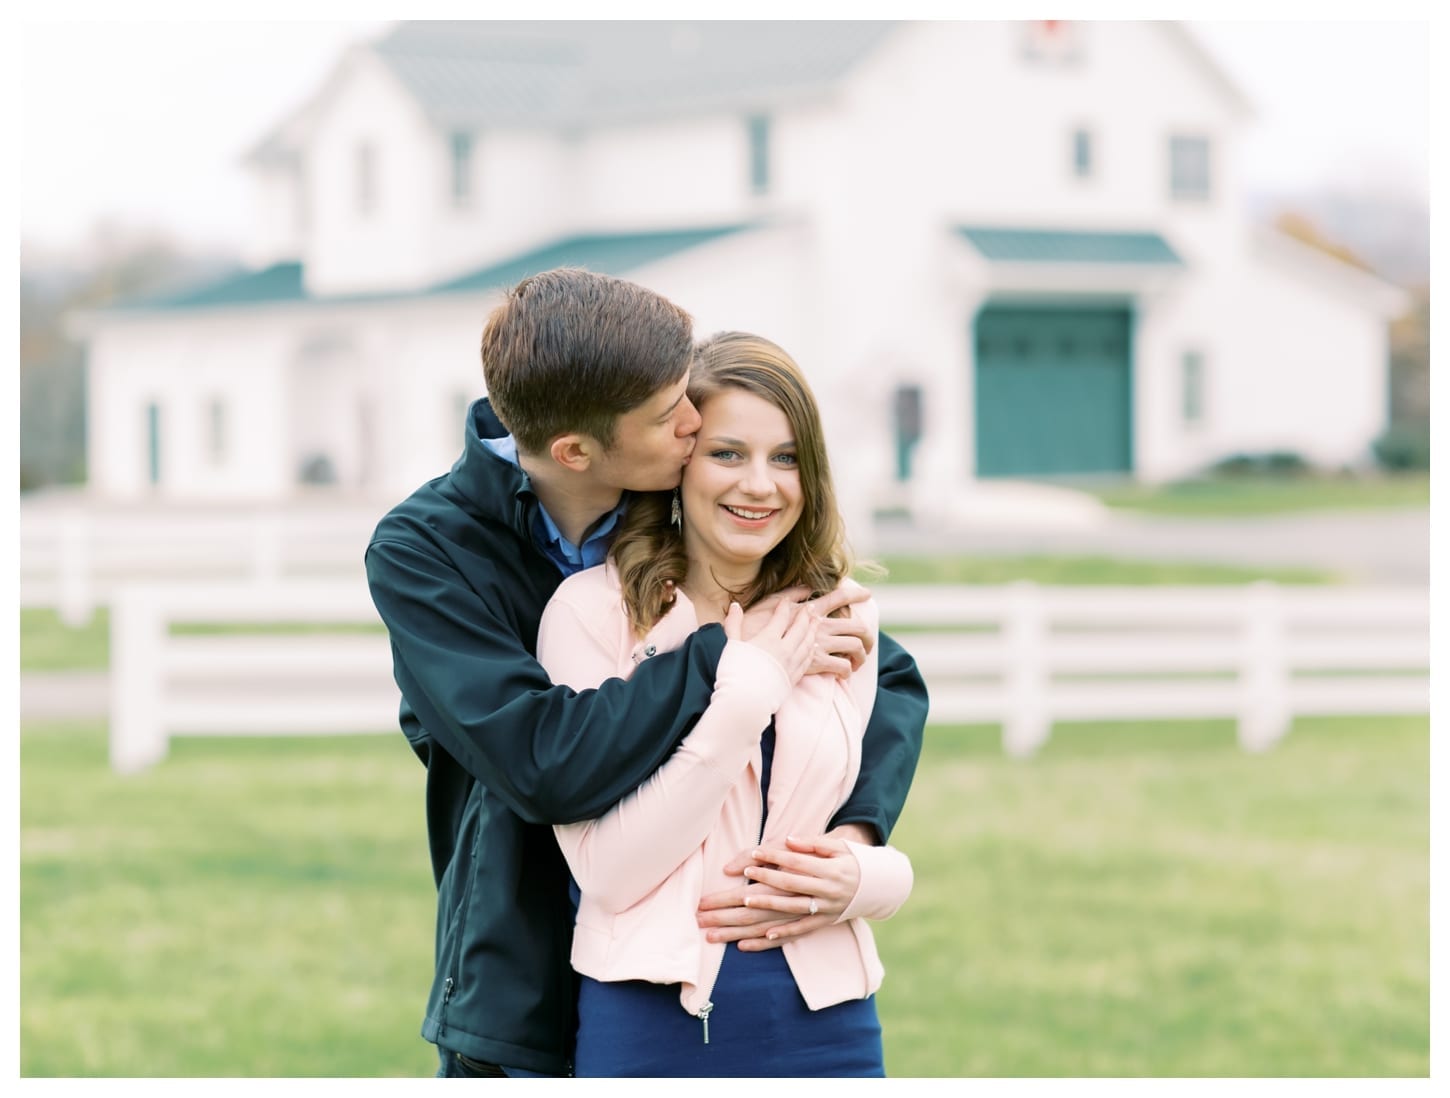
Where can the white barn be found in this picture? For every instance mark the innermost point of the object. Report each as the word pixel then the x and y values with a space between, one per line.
pixel 999 250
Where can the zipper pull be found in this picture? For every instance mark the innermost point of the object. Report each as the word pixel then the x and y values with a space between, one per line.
pixel 447 990
pixel 704 1015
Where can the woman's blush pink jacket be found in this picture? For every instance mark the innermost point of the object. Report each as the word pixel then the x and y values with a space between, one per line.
pixel 643 866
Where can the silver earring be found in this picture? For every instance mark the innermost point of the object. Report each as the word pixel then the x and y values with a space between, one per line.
pixel 675 509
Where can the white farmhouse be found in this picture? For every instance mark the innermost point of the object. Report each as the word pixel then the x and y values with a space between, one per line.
pixel 999 250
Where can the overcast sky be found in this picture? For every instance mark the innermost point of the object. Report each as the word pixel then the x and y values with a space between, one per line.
pixel 146 123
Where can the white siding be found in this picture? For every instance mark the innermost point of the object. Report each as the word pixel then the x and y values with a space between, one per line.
pixel 1306 371
pixel 182 367
pixel 687 171
pixel 278 215
pixel 349 251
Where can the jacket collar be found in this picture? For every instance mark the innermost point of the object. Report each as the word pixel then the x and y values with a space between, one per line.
pixel 485 484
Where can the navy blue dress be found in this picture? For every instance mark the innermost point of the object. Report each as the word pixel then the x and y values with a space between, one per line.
pixel 759 1027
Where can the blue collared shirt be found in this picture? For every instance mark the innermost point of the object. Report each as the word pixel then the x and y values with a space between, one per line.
pixel 569 558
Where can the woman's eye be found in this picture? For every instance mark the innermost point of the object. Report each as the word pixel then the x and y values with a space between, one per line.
pixel 786 459
pixel 724 455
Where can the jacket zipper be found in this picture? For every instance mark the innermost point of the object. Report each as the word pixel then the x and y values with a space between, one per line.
pixel 443 1006
pixel 704 1012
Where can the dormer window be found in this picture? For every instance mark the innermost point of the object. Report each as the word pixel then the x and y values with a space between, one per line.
pixel 460 147
pixel 367 179
pixel 1190 175
pixel 758 131
pixel 1082 153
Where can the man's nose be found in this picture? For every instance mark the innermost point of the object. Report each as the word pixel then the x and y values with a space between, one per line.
pixel 689 422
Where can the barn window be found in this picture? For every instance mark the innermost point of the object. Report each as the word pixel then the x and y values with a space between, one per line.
pixel 1082 153
pixel 153 442
pixel 758 127
pixel 460 148
pixel 1193 386
pixel 1189 167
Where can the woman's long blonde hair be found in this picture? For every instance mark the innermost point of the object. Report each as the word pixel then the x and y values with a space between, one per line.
pixel 649 553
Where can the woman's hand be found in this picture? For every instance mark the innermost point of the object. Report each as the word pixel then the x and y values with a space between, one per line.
pixel 788 635
pixel 818 878
pixel 777 907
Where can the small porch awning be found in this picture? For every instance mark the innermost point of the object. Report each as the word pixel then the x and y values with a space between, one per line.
pixel 1010 245
pixel 1003 261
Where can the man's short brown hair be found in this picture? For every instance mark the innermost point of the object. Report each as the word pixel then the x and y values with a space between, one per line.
pixel 571 351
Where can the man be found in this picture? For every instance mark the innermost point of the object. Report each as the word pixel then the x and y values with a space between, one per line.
pixel 586 378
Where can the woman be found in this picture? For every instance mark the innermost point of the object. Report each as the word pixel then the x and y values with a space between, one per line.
pixel 774 756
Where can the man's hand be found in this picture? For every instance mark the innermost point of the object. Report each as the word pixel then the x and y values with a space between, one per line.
pixel 766 914
pixel 840 645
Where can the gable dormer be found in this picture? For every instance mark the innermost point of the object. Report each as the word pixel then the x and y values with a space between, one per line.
pixel 447 145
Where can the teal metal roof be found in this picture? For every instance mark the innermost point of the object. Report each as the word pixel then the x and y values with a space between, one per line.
pixel 1009 245
pixel 611 254
pixel 282 282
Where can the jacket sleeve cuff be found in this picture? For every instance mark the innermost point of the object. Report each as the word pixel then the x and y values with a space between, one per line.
pixel 886 880
pixel 750 673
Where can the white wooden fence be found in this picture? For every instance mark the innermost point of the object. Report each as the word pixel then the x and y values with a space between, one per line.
pixel 1258 654
pixel 271 681
pixel 1022 655
pixel 74 559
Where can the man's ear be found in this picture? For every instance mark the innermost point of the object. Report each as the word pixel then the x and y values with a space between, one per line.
pixel 573 451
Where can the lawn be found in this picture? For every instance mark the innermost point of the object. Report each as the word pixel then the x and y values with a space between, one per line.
pixel 1147 900
pixel 48 644
pixel 256 907
pixel 1083 571
pixel 1136 900
pixel 1264 495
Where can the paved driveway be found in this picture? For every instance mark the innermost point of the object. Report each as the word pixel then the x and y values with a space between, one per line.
pixel 1378 547
pixel 64 695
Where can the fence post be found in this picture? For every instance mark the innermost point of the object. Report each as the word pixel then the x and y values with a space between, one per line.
pixel 1264 714
pixel 138 636
pixel 1026 724
pixel 73 568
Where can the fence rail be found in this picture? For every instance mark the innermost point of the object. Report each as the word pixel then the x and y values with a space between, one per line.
pixel 74 560
pixel 1021 655
pixel 1029 656
pixel 270 681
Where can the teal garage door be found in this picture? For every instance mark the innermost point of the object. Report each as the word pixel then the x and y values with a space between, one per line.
pixel 1053 391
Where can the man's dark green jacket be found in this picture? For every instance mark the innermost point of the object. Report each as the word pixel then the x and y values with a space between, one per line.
pixel 458 580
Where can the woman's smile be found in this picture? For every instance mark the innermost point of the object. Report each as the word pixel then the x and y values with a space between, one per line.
pixel 749 516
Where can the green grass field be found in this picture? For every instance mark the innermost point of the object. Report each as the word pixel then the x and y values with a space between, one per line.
pixel 48 644
pixel 1265 495
pixel 1084 571
pixel 1137 900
